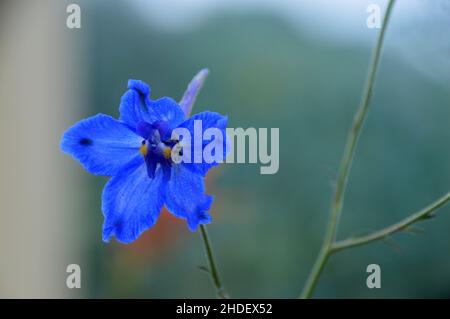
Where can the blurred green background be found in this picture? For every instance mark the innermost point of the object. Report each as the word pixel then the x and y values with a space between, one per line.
pixel 295 65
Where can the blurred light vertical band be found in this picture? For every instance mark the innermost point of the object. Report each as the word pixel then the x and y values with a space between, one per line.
pixel 38 93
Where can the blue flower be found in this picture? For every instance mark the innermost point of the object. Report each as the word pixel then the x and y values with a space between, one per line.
pixel 136 152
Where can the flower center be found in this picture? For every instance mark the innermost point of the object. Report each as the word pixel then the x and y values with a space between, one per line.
pixel 156 146
pixel 153 145
pixel 161 149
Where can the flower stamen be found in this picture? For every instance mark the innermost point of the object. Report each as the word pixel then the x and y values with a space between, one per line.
pixel 144 148
pixel 167 152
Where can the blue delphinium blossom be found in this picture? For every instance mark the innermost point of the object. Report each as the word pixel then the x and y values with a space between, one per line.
pixel 135 151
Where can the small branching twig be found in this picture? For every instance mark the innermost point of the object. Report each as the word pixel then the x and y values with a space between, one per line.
pixel 346 162
pixel 330 245
pixel 401 226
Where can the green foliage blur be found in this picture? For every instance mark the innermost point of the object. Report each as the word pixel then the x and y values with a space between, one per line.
pixel 267 229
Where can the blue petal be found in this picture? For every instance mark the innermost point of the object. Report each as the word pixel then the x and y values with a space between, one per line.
pixel 102 144
pixel 133 104
pixel 136 106
pixel 185 198
pixel 131 203
pixel 151 164
pixel 189 96
pixel 140 86
pixel 209 120
pixel 166 110
pixel 144 129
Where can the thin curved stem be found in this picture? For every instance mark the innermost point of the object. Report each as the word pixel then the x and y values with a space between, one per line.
pixel 212 270
pixel 346 162
pixel 186 104
pixel 394 228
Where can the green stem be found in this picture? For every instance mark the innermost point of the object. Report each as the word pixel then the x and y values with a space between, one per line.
pixel 186 104
pixel 212 264
pixel 400 226
pixel 346 162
